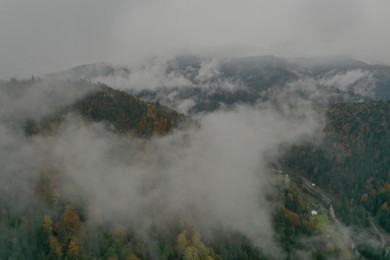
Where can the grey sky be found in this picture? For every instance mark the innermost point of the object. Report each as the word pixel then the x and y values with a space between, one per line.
pixel 44 35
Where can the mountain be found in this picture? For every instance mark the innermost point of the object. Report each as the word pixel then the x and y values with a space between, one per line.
pixel 207 84
pixel 352 162
pixel 122 112
pixel 89 72
pixel 88 169
pixel 46 214
pixel 320 65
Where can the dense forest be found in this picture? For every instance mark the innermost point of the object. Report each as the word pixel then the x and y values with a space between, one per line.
pixel 55 225
pixel 122 112
pixel 351 164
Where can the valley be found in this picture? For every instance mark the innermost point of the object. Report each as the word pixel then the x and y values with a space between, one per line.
pixel 195 130
pixel 106 159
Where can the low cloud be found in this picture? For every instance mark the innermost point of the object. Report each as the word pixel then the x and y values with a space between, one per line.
pixel 42 37
pixel 217 172
pixel 20 101
pixel 357 81
pixel 169 74
pixel 149 76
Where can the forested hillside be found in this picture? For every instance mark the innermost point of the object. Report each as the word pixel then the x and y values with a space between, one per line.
pixel 353 162
pixel 120 111
pixel 41 219
pixel 55 218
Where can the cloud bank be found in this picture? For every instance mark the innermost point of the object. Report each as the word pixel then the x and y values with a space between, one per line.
pixel 216 172
pixel 42 36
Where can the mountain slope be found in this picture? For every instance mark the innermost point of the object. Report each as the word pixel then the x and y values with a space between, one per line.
pixel 352 162
pixel 122 112
pixel 191 84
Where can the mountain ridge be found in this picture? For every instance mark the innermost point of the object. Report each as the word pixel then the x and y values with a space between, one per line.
pixel 248 76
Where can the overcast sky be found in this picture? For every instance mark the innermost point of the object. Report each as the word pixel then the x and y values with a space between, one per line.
pixel 43 36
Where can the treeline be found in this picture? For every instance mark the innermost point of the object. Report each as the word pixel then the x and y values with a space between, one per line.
pixel 127 113
pixel 123 113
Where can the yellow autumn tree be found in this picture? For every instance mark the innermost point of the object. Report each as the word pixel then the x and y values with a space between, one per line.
pixel 202 250
pixel 73 249
pixel 119 233
pixel 55 247
pixel 71 218
pixel 364 197
pixel 47 224
pixel 193 249
pixel 191 253
pixel 182 242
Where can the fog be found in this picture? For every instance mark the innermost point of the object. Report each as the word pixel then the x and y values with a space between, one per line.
pixel 43 36
pixel 37 100
pixel 216 172
pixel 357 81
pixel 159 74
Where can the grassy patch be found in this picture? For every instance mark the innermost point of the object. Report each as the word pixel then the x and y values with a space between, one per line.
pixel 335 237
pixel 322 221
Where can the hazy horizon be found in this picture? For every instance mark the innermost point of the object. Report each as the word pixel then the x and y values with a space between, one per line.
pixel 42 36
